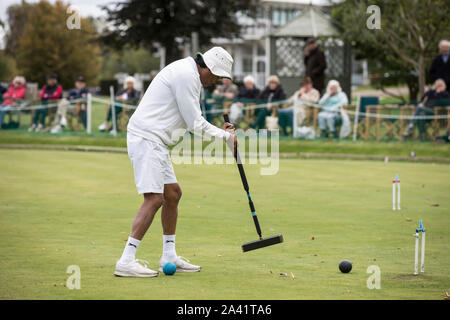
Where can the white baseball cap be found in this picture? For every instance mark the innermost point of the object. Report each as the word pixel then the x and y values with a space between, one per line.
pixel 219 61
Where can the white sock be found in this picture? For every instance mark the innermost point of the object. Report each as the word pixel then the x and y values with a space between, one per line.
pixel 169 246
pixel 129 252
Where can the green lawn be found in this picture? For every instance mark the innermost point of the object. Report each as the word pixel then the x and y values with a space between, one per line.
pixel 71 208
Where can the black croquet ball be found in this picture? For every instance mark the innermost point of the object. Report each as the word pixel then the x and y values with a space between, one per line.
pixel 345 266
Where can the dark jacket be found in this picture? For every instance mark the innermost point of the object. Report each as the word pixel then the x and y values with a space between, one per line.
pixel 315 65
pixel 133 95
pixel 245 94
pixel 441 70
pixel 77 94
pixel 272 95
pixel 51 92
pixel 435 99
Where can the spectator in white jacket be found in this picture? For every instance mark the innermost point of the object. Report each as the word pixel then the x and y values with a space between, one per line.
pixel 331 102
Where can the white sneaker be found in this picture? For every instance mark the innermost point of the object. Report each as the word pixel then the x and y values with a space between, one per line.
pixel 32 128
pixel 39 127
pixel 56 129
pixel 135 268
pixel 181 263
pixel 103 126
pixel 113 132
pixel 63 122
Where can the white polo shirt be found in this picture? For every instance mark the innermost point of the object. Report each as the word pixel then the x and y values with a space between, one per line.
pixel 171 102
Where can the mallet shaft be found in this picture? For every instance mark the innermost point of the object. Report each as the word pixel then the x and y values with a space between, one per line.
pixel 245 184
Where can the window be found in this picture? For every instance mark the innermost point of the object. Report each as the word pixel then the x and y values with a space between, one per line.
pixel 247 64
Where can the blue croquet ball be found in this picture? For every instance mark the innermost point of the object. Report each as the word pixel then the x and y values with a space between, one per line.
pixel 169 269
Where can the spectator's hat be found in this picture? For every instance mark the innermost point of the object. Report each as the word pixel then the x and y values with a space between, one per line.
pixel 219 61
pixel 52 76
pixel 80 79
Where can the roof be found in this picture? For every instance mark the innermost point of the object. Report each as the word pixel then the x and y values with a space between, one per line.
pixel 310 23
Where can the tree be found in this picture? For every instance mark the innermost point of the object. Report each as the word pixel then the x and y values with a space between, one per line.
pixel 47 45
pixel 408 39
pixel 17 20
pixel 128 60
pixel 7 67
pixel 171 23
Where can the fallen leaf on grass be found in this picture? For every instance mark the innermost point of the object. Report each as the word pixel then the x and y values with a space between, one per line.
pixel 435 205
pixel 408 219
pixel 219 255
pixel 283 274
pixel 292 276
pixel 312 238
pixel 446 296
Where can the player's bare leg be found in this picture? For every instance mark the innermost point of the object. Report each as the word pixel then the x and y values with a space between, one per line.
pixel 169 214
pixel 144 217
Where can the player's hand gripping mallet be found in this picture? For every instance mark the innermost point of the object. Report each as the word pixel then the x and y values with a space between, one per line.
pixel 262 242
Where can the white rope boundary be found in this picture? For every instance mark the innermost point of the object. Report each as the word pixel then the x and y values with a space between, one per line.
pixel 44 106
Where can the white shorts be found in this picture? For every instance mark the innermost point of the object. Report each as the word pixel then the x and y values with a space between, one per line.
pixel 151 164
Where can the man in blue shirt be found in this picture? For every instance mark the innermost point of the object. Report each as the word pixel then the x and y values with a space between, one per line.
pixel 76 98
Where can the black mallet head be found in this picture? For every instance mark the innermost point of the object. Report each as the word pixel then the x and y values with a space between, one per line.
pixel 262 243
pixel 345 266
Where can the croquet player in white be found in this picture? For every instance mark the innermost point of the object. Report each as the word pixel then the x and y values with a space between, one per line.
pixel 171 103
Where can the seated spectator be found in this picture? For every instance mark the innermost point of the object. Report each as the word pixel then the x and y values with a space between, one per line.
pixel 127 95
pixel 331 102
pixel 79 92
pixel 226 91
pixel 248 93
pixel 425 107
pixel 51 92
pixel 16 92
pixel 306 93
pixel 271 94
